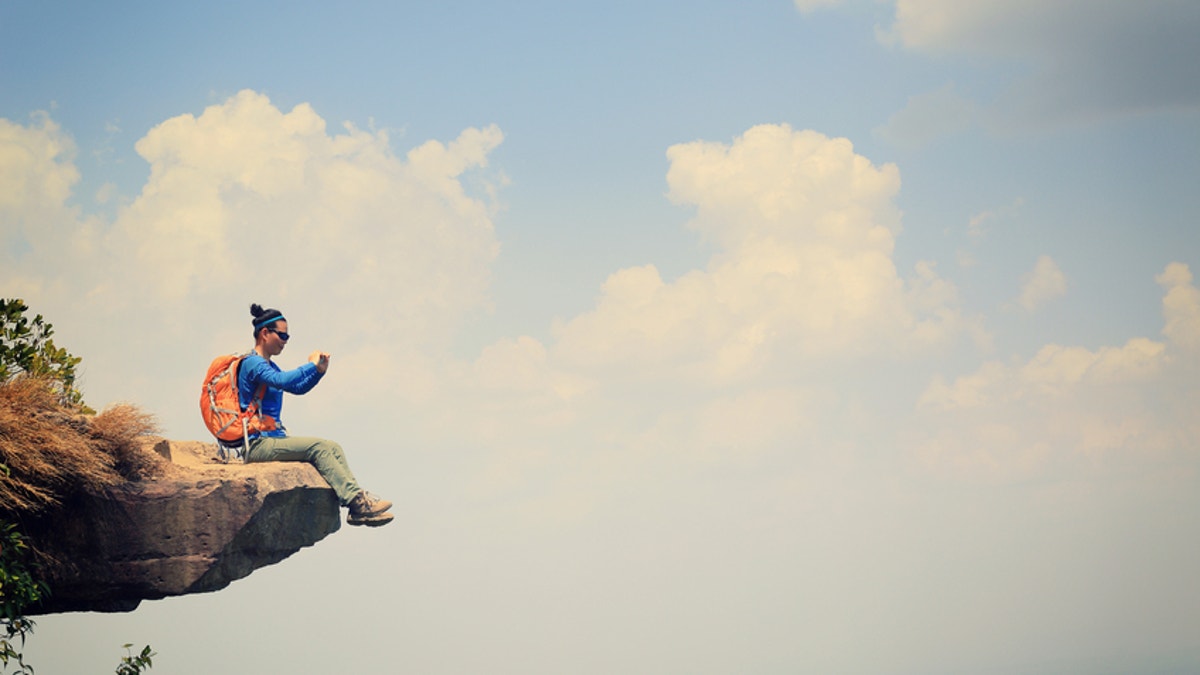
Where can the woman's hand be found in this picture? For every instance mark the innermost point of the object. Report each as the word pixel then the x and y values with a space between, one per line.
pixel 320 360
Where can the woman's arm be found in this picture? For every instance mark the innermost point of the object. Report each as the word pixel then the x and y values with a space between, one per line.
pixel 297 381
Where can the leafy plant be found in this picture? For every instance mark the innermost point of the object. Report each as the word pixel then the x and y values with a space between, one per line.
pixel 132 665
pixel 8 653
pixel 19 588
pixel 26 349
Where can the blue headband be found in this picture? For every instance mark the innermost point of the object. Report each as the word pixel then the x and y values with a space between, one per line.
pixel 263 322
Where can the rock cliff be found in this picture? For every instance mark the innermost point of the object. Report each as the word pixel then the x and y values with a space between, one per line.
pixel 197 528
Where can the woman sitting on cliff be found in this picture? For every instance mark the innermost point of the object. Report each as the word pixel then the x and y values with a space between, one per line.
pixel 274 445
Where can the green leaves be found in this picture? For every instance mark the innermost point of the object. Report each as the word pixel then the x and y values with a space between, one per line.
pixel 26 349
pixel 18 589
pixel 18 586
pixel 133 665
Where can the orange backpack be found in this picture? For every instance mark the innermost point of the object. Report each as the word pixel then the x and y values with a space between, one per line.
pixel 222 411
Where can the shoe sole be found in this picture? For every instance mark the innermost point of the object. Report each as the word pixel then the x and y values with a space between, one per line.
pixel 371 521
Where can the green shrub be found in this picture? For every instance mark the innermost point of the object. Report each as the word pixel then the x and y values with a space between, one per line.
pixel 19 588
pixel 26 349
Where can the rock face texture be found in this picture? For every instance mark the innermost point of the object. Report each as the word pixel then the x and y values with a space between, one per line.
pixel 197 528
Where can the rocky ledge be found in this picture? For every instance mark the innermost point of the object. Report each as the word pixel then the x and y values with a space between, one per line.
pixel 197 528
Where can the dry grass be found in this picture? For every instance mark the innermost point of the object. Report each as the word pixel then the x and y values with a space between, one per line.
pixel 51 451
pixel 118 431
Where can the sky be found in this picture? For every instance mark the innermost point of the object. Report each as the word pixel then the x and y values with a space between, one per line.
pixel 823 336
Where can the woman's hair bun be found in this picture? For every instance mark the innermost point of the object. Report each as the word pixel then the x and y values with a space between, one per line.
pixel 263 317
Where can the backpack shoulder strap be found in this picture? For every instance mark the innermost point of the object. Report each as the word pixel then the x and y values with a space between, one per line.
pixel 258 396
pixel 256 402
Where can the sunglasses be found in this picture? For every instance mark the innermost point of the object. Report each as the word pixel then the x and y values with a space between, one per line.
pixel 282 335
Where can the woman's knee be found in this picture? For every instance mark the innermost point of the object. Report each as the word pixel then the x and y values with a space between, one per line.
pixel 327 448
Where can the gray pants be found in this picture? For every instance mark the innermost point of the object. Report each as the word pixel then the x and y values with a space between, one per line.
pixel 326 456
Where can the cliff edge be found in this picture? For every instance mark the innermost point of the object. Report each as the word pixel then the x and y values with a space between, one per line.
pixel 196 527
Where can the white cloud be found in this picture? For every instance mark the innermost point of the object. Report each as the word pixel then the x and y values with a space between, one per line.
pixel 1087 58
pixel 943 25
pixel 244 187
pixel 1043 284
pixel 799 333
pixel 720 364
pixel 805 229
pixel 1067 400
pixel 1181 308
pixel 1054 372
pixel 1056 368
pixel 247 203
pixel 37 174
pixel 36 164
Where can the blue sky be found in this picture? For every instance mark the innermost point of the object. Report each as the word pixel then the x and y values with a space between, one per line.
pixel 688 337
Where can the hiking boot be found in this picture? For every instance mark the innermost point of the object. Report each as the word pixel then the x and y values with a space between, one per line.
pixel 366 505
pixel 370 521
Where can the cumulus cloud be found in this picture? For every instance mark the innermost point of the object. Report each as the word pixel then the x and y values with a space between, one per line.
pixel 1181 308
pixel 1043 284
pixel 1023 414
pixel 248 192
pixel 796 331
pixel 1084 58
pixel 246 202
pixel 37 174
pixel 805 230
pixel 1053 372
pixel 36 164
pixel 749 354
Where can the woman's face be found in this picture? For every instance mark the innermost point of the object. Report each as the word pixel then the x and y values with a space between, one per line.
pixel 272 337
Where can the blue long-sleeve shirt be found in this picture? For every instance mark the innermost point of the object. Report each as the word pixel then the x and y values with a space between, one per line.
pixel 255 370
